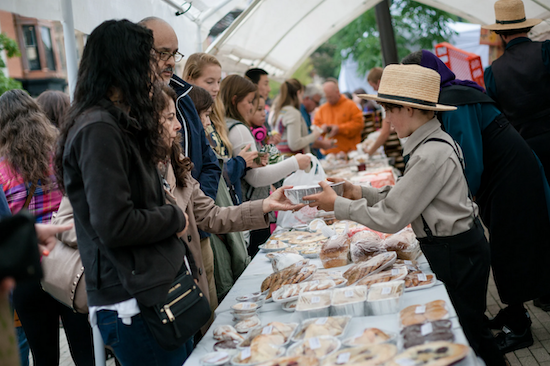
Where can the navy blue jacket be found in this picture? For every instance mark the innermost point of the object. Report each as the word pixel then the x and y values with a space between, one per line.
pixel 4 208
pixel 194 143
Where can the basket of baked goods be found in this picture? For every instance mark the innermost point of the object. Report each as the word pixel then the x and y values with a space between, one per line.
pixel 384 298
pixel 371 336
pixel 374 265
pixel 361 356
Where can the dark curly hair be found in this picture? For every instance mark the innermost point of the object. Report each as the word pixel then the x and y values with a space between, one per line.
pixel 27 137
pixel 118 54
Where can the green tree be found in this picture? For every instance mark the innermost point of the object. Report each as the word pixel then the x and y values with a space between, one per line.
pixel 10 46
pixel 326 60
pixel 415 26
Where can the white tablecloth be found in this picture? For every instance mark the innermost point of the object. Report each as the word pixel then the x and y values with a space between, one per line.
pixel 260 268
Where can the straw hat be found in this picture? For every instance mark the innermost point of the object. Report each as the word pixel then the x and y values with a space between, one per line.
pixel 510 14
pixel 409 85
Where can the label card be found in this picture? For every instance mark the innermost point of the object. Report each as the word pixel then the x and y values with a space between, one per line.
pixel 315 299
pixel 314 343
pixel 245 353
pixel 321 321
pixel 267 330
pixel 395 271
pixel 421 309
pixel 426 329
pixel 386 290
pixel 343 358
pixel 422 277
pixel 348 293
pixel 408 262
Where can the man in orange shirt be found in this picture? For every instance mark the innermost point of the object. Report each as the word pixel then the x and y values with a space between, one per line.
pixel 340 118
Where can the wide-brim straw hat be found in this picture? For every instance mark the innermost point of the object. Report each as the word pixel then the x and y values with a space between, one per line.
pixel 509 15
pixel 409 85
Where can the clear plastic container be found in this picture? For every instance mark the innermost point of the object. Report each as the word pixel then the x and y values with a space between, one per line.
pixel 319 347
pixel 384 298
pixel 349 301
pixel 369 337
pixel 245 357
pixel 268 329
pixel 377 354
pixel 314 304
pixel 216 359
pixel 335 326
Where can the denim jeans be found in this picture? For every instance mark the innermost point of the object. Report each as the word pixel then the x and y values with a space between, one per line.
pixel 135 345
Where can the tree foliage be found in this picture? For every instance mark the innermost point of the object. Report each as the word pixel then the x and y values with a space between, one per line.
pixel 10 46
pixel 415 26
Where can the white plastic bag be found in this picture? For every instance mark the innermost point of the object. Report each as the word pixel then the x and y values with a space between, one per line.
pixel 300 178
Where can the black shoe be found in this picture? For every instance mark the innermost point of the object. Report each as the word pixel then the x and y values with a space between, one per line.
pixel 505 317
pixel 508 340
pixel 539 303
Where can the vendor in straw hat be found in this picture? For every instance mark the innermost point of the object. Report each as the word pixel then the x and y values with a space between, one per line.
pixel 432 195
pixel 519 81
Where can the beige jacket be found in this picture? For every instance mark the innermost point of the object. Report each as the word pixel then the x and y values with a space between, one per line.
pixel 433 185
pixel 205 215
pixel 295 133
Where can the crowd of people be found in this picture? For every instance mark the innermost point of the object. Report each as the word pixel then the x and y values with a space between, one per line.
pixel 167 176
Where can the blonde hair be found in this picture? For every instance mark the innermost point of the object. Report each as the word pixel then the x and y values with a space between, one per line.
pixel 288 95
pixel 192 71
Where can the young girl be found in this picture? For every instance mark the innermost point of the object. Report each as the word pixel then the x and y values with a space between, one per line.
pixel 432 195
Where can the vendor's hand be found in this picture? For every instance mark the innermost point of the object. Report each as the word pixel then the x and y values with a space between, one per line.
pixel 277 201
pixel 46 236
pixel 248 156
pixel 351 191
pixel 182 233
pixel 324 200
pixel 334 131
pixel 304 161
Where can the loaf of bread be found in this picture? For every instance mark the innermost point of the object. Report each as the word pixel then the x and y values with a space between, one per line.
pixel 364 245
pixel 335 252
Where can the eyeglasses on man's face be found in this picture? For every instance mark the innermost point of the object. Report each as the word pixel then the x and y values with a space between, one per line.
pixel 165 56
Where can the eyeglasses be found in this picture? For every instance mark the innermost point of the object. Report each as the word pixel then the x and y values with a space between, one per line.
pixel 165 56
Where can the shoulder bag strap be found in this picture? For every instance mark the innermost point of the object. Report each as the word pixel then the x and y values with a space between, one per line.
pixel 29 196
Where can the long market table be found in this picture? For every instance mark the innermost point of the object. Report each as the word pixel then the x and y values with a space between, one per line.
pixel 260 268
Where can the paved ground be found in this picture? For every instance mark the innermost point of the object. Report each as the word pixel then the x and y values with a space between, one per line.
pixel 538 354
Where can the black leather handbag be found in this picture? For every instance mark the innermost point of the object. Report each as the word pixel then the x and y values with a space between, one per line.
pixel 183 313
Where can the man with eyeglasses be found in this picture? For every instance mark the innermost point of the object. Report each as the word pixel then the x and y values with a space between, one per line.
pixel 206 169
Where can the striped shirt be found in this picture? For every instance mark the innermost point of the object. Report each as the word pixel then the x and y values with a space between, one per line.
pixel 43 203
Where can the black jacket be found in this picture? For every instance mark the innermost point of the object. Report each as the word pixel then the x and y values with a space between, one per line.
pixel 126 232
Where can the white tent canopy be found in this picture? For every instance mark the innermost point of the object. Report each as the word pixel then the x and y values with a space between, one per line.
pixel 278 35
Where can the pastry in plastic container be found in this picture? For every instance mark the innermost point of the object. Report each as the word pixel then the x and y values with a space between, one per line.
pixel 246 325
pixel 334 326
pixel 285 260
pixel 404 243
pixel 292 361
pixel 411 264
pixel 273 246
pixel 245 307
pixel 280 333
pixel 228 346
pixel 335 251
pixel 419 314
pixel 289 293
pixel 218 358
pixel 384 298
pixel 259 352
pixel 394 274
pixel 371 336
pixel 365 245
pixel 349 301
pixel 227 332
pixel 307 238
pixel 237 317
pixel 314 304
pixel 253 297
pixel 419 280
pixel 319 347
pixel 370 267
pixel 417 334
pixel 431 354
pixel 371 355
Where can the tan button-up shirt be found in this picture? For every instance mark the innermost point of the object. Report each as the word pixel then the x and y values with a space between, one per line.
pixel 433 185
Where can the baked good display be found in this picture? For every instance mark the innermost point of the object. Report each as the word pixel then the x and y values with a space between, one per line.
pixel 280 334
pixel 283 260
pixel 289 250
pixel 416 280
pixel 292 361
pixel 384 298
pixel 245 307
pixel 275 244
pixel 394 274
pixel 418 314
pixel 411 265
pixel 404 243
pixel 365 245
pixel 307 238
pixel 295 273
pixel 257 352
pixel 335 252
pixel 369 337
pixel 229 346
pixel 438 330
pixel 431 354
pixel 319 347
pixel 332 326
pixel 362 356
pixel 314 304
pixel 373 265
pixel 244 326
pixel 349 301
pixel 227 332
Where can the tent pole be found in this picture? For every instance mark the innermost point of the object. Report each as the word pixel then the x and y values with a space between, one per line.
pixel 70 44
pixel 387 36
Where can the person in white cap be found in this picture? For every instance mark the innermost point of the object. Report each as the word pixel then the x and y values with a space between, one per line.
pixel 432 195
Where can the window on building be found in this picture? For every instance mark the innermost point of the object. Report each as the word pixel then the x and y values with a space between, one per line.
pixel 48 47
pixel 31 47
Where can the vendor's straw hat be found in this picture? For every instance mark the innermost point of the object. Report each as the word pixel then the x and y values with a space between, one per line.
pixel 409 85
pixel 510 14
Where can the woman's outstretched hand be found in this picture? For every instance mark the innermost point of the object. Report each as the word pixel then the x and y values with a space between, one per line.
pixel 277 201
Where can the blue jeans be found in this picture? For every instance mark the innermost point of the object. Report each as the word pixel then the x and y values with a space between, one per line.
pixel 135 345
pixel 23 346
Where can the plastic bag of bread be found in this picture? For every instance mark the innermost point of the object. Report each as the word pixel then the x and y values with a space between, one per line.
pixel 335 252
pixel 284 260
pixel 404 243
pixel 364 245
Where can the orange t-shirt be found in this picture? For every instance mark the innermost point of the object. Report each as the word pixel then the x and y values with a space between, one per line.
pixel 349 119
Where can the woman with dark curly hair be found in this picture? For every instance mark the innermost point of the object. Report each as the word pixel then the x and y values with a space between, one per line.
pixel 27 140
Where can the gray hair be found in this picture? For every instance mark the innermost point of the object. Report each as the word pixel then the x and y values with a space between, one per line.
pixel 313 89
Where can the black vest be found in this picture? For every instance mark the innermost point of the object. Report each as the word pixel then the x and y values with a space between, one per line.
pixel 523 88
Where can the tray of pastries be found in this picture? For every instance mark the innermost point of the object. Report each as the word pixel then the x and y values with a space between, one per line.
pixel 333 325
pixel 370 267
pixel 371 336
pixel 394 274
pixel 362 356
pixel 431 354
pixel 319 347
pixel 418 314
pixel 419 280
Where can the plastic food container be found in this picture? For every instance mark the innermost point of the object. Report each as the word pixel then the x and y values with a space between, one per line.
pixel 377 354
pixel 395 274
pixel 314 304
pixel 319 347
pixel 439 330
pixel 253 297
pixel 369 337
pixel 228 346
pixel 216 359
pixel 244 357
pixel 296 193
pixel 384 298
pixel 237 317
pixel 266 330
pixel 244 307
pixel 349 301
pixel 335 325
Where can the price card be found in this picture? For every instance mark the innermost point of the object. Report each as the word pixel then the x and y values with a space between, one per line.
pixel 409 262
pixel 386 290
pixel 220 356
pixel 304 270
pixel 245 353
pixel 421 309
pixel 246 305
pixel 267 330
pixel 315 299
pixel 395 272
pixel 321 321
pixel 348 293
pixel 343 358
pixel 422 277
pixel 314 343
pixel 426 329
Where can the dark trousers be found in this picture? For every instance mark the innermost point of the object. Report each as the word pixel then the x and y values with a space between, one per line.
pixel 541 146
pixel 462 263
pixel 257 237
pixel 39 314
